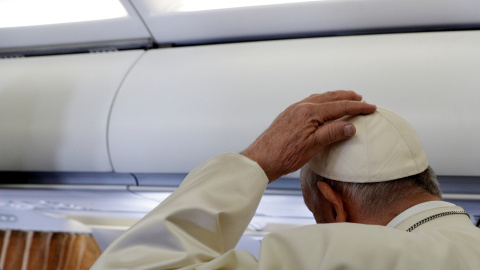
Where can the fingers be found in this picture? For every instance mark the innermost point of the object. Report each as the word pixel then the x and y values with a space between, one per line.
pixel 333 132
pixel 333 96
pixel 334 110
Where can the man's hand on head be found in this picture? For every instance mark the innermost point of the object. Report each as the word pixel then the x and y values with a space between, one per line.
pixel 300 131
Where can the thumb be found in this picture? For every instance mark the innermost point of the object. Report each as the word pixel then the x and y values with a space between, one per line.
pixel 333 132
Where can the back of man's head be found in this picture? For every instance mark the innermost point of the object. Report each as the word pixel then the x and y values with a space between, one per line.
pixel 383 164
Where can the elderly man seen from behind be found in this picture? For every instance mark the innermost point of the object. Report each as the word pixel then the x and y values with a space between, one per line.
pixel 372 177
pixel 365 178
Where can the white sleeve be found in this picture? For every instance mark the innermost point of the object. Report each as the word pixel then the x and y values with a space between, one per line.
pixel 204 218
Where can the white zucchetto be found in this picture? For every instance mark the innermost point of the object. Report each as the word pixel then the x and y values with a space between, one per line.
pixel 385 147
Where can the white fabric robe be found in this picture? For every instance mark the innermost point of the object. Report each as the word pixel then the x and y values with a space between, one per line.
pixel 198 226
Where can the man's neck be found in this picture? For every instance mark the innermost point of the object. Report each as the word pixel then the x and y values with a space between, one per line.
pixel 383 218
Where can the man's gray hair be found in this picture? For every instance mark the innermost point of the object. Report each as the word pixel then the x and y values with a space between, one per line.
pixel 374 197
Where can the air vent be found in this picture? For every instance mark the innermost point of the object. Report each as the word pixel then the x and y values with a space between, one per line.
pixel 103 50
pixel 11 56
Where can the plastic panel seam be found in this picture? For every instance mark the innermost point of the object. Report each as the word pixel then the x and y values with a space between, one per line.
pixel 111 109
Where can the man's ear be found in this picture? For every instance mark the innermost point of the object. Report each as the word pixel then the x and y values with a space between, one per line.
pixel 335 199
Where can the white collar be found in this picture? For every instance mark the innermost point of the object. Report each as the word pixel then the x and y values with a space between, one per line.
pixel 417 209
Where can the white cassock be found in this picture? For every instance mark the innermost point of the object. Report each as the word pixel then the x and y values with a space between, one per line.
pixel 198 226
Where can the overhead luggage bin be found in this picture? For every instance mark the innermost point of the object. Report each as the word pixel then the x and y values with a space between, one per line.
pixel 65 26
pixel 54 110
pixel 189 22
pixel 180 106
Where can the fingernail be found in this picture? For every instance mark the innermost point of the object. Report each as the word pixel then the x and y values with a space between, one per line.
pixel 349 130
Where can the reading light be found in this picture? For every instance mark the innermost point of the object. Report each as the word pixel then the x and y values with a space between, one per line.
pixel 17 13
pixel 199 5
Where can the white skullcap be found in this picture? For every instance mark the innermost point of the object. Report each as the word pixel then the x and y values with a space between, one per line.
pixel 385 147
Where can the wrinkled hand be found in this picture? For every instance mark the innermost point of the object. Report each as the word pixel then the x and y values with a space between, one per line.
pixel 300 131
